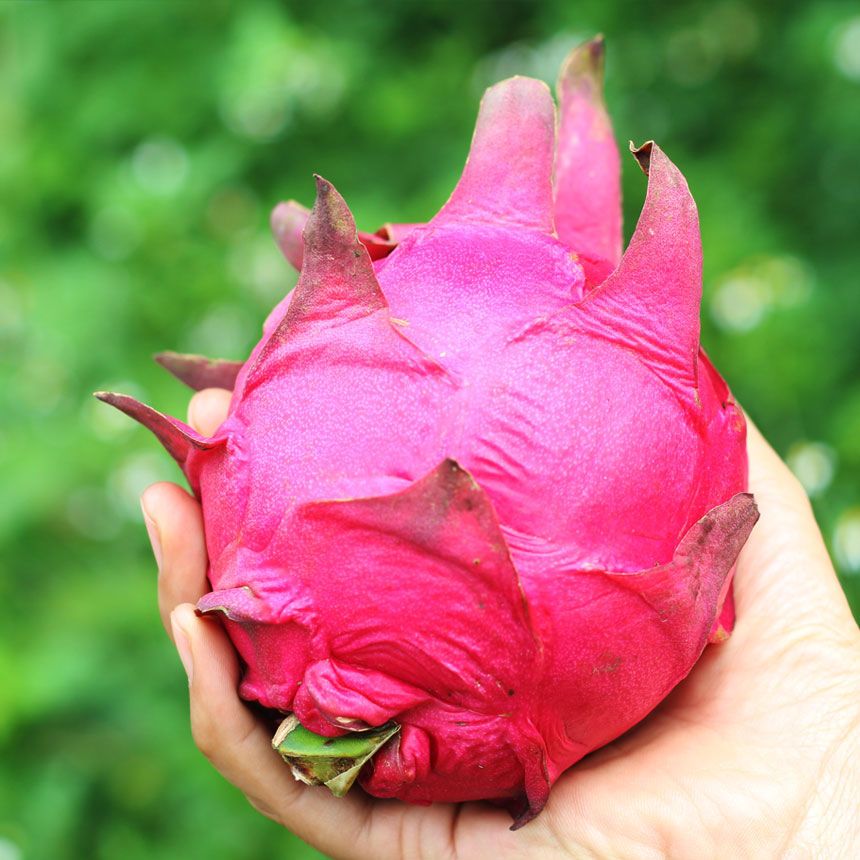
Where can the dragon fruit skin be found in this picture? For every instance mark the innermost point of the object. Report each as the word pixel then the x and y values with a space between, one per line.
pixel 478 478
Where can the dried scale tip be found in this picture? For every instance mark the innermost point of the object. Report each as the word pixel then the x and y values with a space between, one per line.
pixel 199 372
pixel 642 154
pixel 177 437
pixel 651 301
pixel 689 588
pixel 337 283
pixel 337 275
pixel 486 540
pixel 332 762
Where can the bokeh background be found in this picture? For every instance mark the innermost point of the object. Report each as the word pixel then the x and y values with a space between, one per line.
pixel 142 145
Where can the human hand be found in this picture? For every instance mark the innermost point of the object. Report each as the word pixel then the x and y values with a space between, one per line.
pixel 755 754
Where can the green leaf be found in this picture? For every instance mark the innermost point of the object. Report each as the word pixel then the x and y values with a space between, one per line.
pixel 333 762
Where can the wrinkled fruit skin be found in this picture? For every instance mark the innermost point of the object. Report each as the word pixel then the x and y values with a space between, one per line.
pixel 478 478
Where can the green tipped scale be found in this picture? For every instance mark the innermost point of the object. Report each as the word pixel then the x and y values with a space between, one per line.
pixel 332 762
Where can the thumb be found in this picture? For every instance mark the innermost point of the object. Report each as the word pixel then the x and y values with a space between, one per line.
pixel 239 745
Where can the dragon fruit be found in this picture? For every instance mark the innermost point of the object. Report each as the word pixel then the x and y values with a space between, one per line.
pixel 475 506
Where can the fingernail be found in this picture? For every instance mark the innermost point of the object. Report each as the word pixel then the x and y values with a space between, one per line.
pixel 154 537
pixel 183 646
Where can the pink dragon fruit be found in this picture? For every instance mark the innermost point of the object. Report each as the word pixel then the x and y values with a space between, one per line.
pixel 479 493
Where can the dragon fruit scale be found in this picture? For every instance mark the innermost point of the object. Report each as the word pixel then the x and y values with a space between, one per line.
pixel 475 506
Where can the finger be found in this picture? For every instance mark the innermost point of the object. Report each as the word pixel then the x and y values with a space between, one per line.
pixel 175 525
pixel 770 476
pixel 239 746
pixel 784 562
pixel 207 410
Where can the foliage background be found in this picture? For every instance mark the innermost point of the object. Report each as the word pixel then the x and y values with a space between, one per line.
pixel 143 144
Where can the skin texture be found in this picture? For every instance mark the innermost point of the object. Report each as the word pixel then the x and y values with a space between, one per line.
pixel 756 754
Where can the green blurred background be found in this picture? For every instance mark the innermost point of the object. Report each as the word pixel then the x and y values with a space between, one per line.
pixel 142 145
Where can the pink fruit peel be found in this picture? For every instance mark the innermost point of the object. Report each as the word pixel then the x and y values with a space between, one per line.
pixel 478 479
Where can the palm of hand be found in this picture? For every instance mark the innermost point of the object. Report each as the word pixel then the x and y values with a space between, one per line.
pixel 749 756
